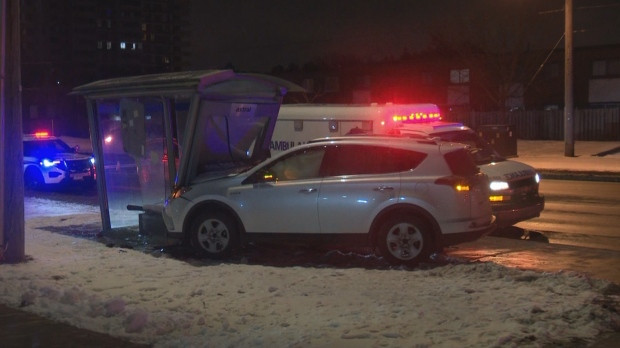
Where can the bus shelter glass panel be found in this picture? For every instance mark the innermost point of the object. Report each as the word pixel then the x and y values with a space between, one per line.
pixel 133 143
pixel 228 134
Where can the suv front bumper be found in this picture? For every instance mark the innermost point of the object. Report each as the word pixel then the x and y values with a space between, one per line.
pixel 469 236
pixel 509 214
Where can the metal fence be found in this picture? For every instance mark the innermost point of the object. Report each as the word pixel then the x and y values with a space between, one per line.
pixel 589 124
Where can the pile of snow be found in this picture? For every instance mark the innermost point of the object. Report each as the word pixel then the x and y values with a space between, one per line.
pixel 170 303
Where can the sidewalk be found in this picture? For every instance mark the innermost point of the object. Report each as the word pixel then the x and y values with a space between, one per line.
pixel 593 160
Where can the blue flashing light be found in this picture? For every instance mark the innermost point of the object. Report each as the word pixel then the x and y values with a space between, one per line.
pixel 47 163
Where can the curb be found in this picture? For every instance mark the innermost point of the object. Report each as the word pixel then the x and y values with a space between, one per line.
pixel 580 176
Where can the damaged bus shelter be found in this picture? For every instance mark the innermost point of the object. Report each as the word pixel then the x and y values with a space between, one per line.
pixel 148 131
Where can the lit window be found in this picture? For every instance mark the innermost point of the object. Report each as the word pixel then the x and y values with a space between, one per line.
pixel 133 46
pixel 123 45
pixel 109 45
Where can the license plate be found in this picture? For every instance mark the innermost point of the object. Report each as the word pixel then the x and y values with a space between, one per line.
pixel 79 176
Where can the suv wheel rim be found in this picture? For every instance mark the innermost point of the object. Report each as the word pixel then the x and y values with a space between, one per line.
pixel 213 236
pixel 404 241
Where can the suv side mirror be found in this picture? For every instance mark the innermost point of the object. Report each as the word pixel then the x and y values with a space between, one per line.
pixel 261 176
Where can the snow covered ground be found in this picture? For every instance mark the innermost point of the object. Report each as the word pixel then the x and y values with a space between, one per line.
pixel 167 302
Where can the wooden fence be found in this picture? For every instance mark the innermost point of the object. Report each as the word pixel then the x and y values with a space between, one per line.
pixel 589 124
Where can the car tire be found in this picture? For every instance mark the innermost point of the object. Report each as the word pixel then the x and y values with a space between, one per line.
pixel 33 179
pixel 405 240
pixel 214 235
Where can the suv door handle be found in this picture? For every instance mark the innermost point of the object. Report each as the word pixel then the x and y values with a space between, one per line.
pixel 308 190
pixel 383 188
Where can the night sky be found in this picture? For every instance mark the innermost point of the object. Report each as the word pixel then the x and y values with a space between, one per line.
pixel 258 35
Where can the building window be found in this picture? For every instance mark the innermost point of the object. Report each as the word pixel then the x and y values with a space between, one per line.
pixel 599 68
pixel 109 45
pixel 606 67
pixel 613 67
pixel 99 44
pixel 459 76
pixel 123 45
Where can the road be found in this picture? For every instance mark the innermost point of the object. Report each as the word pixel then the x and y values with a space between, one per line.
pixel 581 213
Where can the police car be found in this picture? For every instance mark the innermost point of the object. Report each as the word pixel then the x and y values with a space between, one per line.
pixel 49 160
pixel 513 185
pixel 404 198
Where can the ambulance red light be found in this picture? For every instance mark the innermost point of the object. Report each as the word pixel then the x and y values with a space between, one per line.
pixel 417 117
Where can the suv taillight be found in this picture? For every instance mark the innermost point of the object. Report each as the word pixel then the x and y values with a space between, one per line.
pixel 458 183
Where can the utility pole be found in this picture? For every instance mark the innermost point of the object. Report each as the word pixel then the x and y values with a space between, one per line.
pixel 569 141
pixel 11 158
pixel 2 73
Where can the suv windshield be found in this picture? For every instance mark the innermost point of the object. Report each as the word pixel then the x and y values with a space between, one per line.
pixel 482 151
pixel 45 147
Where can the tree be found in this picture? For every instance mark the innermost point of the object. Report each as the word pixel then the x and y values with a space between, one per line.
pixel 11 163
pixel 494 45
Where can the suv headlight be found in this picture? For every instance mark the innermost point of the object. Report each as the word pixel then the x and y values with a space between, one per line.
pixel 179 191
pixel 498 185
pixel 47 163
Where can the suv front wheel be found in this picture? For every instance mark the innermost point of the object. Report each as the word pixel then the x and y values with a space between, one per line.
pixel 405 240
pixel 213 235
pixel 33 179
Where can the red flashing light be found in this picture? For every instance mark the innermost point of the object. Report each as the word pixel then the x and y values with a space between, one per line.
pixel 417 117
pixel 41 134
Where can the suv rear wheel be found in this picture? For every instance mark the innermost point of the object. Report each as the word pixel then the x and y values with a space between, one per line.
pixel 213 235
pixel 405 240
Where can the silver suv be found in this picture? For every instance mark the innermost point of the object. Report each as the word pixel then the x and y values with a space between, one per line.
pixel 404 198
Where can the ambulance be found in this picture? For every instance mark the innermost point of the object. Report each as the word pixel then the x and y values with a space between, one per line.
pixel 513 185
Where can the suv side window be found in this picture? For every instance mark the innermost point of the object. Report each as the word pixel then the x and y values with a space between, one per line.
pixel 303 164
pixel 368 159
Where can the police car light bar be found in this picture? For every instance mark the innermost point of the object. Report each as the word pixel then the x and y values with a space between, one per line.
pixel 41 134
pixel 417 117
